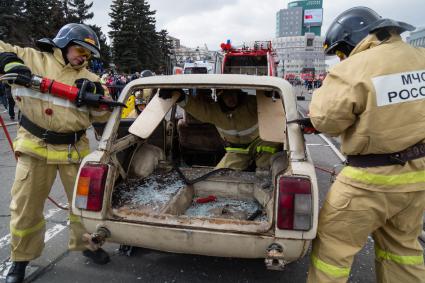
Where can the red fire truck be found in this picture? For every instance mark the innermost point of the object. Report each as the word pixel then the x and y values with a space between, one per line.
pixel 259 59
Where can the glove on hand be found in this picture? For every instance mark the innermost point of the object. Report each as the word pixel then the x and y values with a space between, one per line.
pixel 11 63
pixel 93 87
pixel 307 126
pixel 90 87
pixel 167 93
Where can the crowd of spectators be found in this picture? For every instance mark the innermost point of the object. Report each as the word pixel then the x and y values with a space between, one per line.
pixel 116 82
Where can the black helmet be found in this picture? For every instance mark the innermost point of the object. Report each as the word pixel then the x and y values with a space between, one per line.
pixel 350 27
pixel 79 34
pixel 146 73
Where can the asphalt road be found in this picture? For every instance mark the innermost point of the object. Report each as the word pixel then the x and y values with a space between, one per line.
pixel 58 265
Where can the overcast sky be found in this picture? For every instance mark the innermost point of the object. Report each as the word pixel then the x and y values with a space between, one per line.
pixel 210 22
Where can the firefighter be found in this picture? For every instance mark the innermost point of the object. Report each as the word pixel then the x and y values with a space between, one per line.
pixel 236 119
pixel 140 103
pixel 141 98
pixel 374 100
pixel 51 138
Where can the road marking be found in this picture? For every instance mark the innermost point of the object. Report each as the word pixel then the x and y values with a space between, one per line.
pixel 317 144
pixel 50 233
pixel 5 241
pixel 53 231
pixel 334 149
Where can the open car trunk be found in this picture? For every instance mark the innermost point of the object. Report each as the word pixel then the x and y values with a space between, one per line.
pixel 227 200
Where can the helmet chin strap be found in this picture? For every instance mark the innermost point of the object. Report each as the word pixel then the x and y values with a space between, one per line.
pixel 64 52
pixel 383 34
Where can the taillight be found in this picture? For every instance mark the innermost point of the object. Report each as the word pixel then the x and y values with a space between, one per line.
pixel 294 211
pixel 91 185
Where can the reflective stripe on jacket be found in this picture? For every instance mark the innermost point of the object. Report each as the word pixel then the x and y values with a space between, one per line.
pixel 52 113
pixel 363 99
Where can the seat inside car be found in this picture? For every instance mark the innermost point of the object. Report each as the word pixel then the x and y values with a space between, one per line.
pixel 200 143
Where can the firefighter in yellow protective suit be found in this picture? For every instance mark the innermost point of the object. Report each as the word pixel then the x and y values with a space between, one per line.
pixel 236 119
pixel 375 100
pixel 137 102
pixel 140 102
pixel 51 138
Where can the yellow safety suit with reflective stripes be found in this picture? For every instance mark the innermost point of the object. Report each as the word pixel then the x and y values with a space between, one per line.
pixel 64 116
pixel 364 101
pixel 237 127
pixel 39 162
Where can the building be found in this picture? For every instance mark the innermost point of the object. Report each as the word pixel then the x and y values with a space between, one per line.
pixel 301 17
pixel 289 22
pixel 175 42
pixel 298 43
pixel 301 55
pixel 417 38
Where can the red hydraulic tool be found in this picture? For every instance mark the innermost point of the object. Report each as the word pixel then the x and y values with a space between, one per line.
pixel 79 96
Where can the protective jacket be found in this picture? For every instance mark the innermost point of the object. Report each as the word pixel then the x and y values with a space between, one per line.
pixel 375 101
pixel 239 126
pixel 49 112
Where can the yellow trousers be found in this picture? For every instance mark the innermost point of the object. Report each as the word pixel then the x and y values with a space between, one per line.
pixel 258 151
pixel 349 215
pixel 33 181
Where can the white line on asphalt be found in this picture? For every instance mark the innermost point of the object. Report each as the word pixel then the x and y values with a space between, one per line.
pixel 50 233
pixel 4 268
pixel 334 149
pixel 53 231
pixel 317 144
pixel 5 241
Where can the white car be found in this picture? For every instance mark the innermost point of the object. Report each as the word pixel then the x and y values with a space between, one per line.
pixel 162 191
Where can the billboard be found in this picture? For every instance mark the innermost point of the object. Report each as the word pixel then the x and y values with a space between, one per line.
pixel 313 17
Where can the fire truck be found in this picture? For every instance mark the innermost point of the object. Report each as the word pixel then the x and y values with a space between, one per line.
pixel 259 59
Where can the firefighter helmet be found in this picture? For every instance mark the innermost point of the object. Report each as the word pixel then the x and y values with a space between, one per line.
pixel 146 73
pixel 74 33
pixel 350 27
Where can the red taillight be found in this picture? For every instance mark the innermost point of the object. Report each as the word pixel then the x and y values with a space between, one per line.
pixel 90 187
pixel 294 209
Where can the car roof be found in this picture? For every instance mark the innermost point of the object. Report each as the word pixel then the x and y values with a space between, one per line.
pixel 222 80
pixel 214 79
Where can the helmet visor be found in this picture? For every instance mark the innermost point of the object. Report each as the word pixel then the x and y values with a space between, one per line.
pixel 82 51
pixel 89 47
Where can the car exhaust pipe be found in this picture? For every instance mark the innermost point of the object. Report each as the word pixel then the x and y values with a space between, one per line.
pixel 97 239
pixel 275 259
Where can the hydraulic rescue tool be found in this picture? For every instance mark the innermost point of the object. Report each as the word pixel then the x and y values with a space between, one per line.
pixel 80 96
pixel 306 125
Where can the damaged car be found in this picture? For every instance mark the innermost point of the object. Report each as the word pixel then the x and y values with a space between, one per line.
pixel 160 188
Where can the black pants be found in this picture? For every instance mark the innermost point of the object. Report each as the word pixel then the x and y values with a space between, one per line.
pixel 11 106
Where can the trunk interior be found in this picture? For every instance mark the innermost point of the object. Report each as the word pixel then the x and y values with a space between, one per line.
pixel 148 189
pixel 227 200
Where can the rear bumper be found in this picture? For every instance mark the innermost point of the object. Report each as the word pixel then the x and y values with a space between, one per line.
pixel 201 242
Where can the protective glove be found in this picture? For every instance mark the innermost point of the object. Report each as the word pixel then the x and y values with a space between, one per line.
pixel 166 93
pixel 11 63
pixel 93 87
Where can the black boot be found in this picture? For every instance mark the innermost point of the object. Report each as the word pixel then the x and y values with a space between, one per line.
pixel 98 256
pixel 16 272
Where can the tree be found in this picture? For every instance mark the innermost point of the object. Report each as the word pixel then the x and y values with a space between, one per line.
pixel 56 16
pixel 78 11
pixel 13 27
pixel 119 34
pixel 105 50
pixel 165 46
